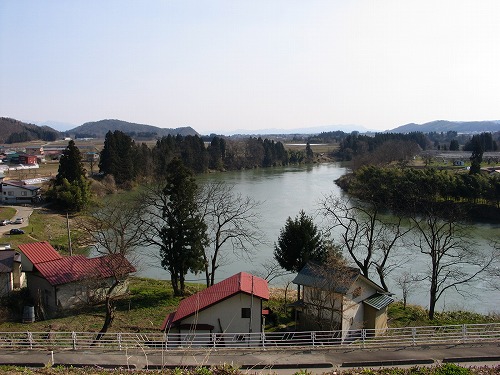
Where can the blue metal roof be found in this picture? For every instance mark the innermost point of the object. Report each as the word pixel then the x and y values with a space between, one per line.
pixel 379 301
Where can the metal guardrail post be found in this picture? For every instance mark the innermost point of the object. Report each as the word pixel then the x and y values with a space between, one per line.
pixel 362 338
pixel 30 339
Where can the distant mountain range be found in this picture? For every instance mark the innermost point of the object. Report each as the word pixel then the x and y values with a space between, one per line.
pixel 12 131
pixel 98 129
pixel 445 126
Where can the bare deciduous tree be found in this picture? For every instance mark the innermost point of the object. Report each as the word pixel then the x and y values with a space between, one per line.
pixel 114 230
pixel 367 236
pixel 408 283
pixel 389 152
pixel 270 270
pixel 232 221
pixel 324 298
pixel 454 261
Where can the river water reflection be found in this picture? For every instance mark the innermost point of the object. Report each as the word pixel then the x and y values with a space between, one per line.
pixel 284 191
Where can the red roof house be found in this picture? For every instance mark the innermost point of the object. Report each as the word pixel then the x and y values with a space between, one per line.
pixel 38 252
pixel 232 305
pixel 62 282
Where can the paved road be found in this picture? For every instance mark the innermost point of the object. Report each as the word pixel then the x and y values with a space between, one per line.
pixel 276 361
pixel 21 211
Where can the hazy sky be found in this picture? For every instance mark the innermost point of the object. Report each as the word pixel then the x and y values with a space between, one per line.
pixel 226 65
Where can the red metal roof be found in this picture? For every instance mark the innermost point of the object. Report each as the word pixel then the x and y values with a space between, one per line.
pixel 39 252
pixel 240 283
pixel 70 269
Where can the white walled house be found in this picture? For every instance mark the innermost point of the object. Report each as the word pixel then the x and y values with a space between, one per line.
pixel 233 305
pixel 348 302
pixel 12 276
pixel 65 282
pixel 18 192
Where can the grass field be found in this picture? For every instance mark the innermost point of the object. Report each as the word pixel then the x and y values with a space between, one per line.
pixel 7 213
pixel 143 310
pixel 149 301
pixel 44 225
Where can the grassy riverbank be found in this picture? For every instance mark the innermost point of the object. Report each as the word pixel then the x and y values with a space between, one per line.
pixel 149 301
pixel 417 316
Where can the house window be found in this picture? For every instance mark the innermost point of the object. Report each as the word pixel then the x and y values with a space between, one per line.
pixel 24 193
pixel 245 312
pixel 10 193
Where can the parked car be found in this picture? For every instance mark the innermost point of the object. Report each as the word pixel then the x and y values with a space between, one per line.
pixel 18 220
pixel 4 222
pixel 16 231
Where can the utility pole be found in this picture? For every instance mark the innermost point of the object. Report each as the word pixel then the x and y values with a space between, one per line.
pixel 251 310
pixel 69 235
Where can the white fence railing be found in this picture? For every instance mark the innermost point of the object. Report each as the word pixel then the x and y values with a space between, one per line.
pixel 364 338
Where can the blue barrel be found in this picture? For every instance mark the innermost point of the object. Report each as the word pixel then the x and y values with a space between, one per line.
pixel 28 314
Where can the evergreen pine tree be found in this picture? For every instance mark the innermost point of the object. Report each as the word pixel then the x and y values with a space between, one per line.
pixel 70 189
pixel 70 164
pixel 183 235
pixel 117 157
pixel 299 242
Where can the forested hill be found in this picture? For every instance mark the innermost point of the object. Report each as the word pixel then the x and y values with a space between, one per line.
pixel 14 131
pixel 446 126
pixel 98 129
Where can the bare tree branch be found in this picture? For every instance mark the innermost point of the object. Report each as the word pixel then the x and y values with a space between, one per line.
pixel 114 230
pixel 232 222
pixel 369 238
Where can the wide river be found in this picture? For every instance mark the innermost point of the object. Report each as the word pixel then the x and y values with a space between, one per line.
pixel 283 192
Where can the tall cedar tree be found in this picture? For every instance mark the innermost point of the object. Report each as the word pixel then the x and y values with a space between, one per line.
pixel 299 242
pixel 477 156
pixel 309 153
pixel 71 189
pixel 117 157
pixel 183 237
pixel 70 164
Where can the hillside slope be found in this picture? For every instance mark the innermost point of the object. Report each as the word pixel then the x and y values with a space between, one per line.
pixel 12 131
pixel 445 126
pixel 98 129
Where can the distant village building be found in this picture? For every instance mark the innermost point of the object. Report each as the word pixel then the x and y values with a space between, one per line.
pixel 34 150
pixel 28 159
pixel 13 192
